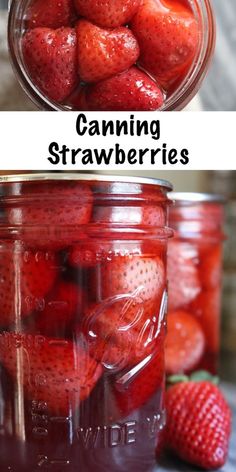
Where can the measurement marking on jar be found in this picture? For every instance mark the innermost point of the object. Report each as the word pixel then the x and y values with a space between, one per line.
pixel 58 342
pixel 60 419
pixel 44 460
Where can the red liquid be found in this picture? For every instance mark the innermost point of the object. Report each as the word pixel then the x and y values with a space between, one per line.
pixel 82 370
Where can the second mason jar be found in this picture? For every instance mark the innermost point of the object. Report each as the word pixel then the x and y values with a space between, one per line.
pixel 83 302
pixel 194 273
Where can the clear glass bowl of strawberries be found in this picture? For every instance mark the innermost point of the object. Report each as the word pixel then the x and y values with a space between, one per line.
pixel 82 323
pixel 111 55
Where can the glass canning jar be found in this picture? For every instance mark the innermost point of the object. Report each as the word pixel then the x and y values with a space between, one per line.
pixel 82 324
pixel 178 96
pixel 194 274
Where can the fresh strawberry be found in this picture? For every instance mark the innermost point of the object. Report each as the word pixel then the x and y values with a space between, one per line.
pixel 51 59
pixel 185 342
pixel 103 52
pixel 132 90
pixel 140 384
pixel 107 13
pixel 143 278
pixel 206 308
pixel 198 423
pixel 168 35
pixel 182 272
pixel 59 209
pixel 51 14
pixel 122 331
pixel 210 266
pixel 62 306
pixel 56 372
pixel 26 277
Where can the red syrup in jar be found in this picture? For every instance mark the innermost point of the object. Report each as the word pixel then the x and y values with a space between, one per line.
pixel 82 346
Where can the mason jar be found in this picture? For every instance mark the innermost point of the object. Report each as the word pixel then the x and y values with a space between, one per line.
pixel 176 95
pixel 194 276
pixel 83 305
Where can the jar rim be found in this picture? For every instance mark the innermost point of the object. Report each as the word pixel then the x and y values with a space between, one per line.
pixel 197 197
pixel 85 177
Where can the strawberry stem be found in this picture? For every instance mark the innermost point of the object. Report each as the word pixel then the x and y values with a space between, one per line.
pixel 198 376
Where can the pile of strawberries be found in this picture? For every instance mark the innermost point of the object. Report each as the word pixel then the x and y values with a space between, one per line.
pixel 109 55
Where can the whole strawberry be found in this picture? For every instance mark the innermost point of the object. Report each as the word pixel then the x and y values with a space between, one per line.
pixel 132 90
pixel 50 57
pixel 107 13
pixel 104 52
pixel 198 423
pixel 52 14
pixel 168 36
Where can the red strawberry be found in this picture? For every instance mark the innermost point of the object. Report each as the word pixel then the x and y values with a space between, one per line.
pixel 134 388
pixel 107 13
pixel 56 372
pixel 102 52
pixel 211 266
pixel 206 308
pixel 57 208
pixel 132 90
pixel 141 277
pixel 62 306
pixel 26 277
pixel 122 331
pixel 198 423
pixel 185 342
pixel 51 59
pixel 168 35
pixel 52 14
pixel 183 277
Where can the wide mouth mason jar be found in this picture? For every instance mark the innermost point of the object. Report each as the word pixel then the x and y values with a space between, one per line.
pixel 194 275
pixel 183 66
pixel 83 304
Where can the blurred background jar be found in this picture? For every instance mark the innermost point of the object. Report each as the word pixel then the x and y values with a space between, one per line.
pixel 194 274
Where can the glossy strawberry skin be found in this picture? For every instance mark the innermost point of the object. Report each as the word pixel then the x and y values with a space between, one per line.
pixel 168 37
pixel 102 52
pixel 51 14
pixel 26 278
pixel 50 57
pixel 198 423
pixel 57 372
pixel 185 342
pixel 143 278
pixel 132 90
pixel 107 13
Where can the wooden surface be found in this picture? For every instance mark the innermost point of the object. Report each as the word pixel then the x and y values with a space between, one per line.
pixel 173 465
